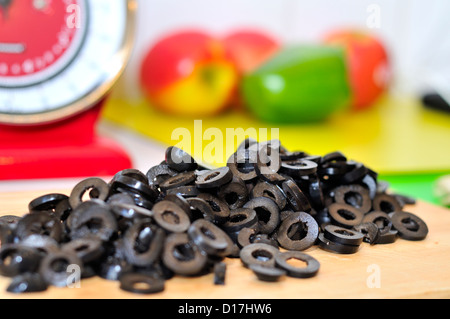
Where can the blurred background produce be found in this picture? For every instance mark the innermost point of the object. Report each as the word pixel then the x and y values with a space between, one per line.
pixel 189 73
pixel 407 28
pixel 195 73
pixel 300 84
pixel 367 64
pixel 382 57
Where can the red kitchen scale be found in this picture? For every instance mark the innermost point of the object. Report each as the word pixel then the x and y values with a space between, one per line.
pixel 59 60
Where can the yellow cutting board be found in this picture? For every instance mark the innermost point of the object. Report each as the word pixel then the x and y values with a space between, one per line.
pixel 397 135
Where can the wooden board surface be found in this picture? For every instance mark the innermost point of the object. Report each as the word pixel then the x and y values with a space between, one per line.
pixel 406 269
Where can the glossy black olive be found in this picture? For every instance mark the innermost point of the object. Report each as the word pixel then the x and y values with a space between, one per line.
pixel 180 160
pixel 27 282
pixel 141 283
pixel 303 237
pixel 258 254
pixel 16 259
pixel 58 269
pixel 267 211
pixel 171 217
pixel 182 256
pixel 409 226
pixel 214 178
pixel 265 273
pixel 311 269
pixel 143 242
pixel 101 187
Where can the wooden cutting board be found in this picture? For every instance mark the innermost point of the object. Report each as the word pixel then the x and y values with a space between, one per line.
pixel 406 269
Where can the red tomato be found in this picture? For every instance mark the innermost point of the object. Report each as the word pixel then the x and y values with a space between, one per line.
pixel 368 64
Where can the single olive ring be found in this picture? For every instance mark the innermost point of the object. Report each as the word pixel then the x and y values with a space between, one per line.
pixel 315 189
pixel 210 238
pixel 307 231
pixel 335 156
pixel 46 202
pixel 214 178
pixel 143 242
pixel 199 209
pixel 178 180
pixel 133 173
pixel 343 235
pixel 56 268
pixel 16 259
pixel 371 184
pixel 241 163
pixel 272 191
pixel 311 269
pixel 92 218
pixel 10 221
pixel 219 208
pixel 114 267
pixel 159 173
pixel 245 236
pixel 409 226
pixel 180 201
pixel 299 167
pixel 268 163
pixel 185 191
pixel 354 175
pixel 179 160
pixel 141 283
pixel 265 273
pixel 135 187
pixel 76 195
pixel 369 230
pixel 130 210
pixel 267 211
pixel 235 193
pixel 259 254
pixel 295 196
pixel 40 222
pixel 171 217
pixel 380 219
pixel 355 195
pixel 386 203
pixel 345 215
pixel 27 282
pixel 332 246
pixel 182 256
pixel 240 218
pixel 265 239
pixel 86 248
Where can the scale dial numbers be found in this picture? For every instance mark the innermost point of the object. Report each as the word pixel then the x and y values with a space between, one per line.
pixel 59 57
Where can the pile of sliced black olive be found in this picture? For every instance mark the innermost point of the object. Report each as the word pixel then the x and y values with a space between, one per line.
pixel 265 207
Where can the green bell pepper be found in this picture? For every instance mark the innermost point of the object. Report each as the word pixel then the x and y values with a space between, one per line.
pixel 299 84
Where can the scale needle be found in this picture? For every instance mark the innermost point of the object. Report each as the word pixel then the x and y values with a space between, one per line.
pixel 4 5
pixel 16 48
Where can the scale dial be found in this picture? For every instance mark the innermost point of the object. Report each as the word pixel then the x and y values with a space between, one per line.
pixel 60 57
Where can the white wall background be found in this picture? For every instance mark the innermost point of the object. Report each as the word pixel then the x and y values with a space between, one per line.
pixel 416 32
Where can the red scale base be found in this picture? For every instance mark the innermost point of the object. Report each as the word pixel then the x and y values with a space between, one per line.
pixel 69 148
